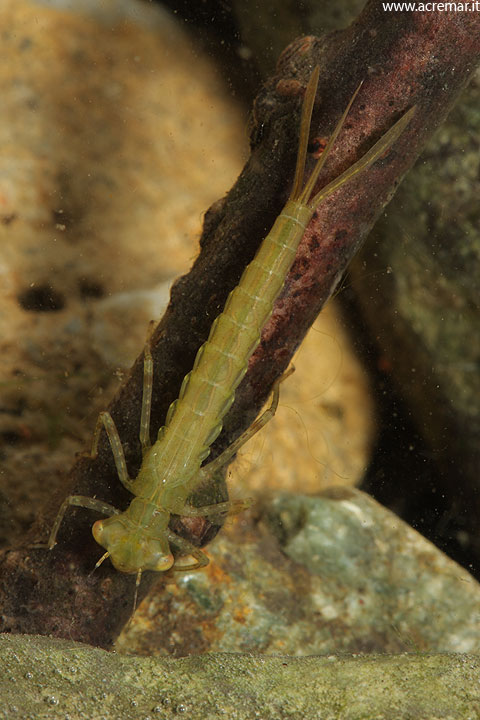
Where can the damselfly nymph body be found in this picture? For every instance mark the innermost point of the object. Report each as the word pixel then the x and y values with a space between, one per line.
pixel 139 538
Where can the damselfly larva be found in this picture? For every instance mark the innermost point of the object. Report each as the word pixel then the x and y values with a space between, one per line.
pixel 139 538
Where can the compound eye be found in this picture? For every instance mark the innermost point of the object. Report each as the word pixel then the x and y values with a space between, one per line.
pixel 97 531
pixel 164 562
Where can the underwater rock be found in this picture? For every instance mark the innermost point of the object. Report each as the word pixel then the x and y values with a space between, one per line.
pixel 314 575
pixel 49 679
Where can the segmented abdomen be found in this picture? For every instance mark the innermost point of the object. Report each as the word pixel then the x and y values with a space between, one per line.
pixel 195 419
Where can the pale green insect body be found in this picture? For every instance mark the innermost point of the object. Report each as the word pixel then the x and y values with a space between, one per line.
pixel 139 539
pixel 171 469
pixel 208 390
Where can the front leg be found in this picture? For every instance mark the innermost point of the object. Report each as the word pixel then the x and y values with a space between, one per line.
pixel 213 512
pixel 78 501
pixel 187 548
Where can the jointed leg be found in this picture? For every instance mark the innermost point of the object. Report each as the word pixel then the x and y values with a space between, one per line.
pixel 264 418
pixel 233 507
pixel 188 549
pixel 78 501
pixel 105 420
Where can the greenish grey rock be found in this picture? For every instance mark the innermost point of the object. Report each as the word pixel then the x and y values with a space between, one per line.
pixel 314 575
pixel 42 678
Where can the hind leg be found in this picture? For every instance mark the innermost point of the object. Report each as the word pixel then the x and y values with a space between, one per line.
pixel 259 423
